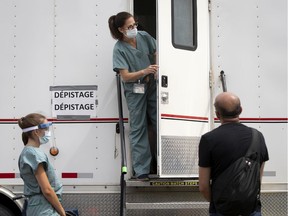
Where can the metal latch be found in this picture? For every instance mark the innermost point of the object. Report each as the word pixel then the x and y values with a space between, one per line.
pixel 164 81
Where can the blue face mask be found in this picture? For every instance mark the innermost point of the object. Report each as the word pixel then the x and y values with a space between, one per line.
pixel 45 139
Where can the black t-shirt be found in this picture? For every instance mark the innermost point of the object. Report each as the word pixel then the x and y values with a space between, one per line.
pixel 222 146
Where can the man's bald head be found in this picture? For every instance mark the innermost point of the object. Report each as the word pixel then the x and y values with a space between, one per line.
pixel 227 105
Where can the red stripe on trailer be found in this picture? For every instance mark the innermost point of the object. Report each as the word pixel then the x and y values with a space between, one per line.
pixel 205 119
pixel 174 116
pixel 265 119
pixel 163 116
pixel 91 120
pixel 7 175
pixel 69 175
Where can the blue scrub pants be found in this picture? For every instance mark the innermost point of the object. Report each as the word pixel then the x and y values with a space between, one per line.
pixel 140 107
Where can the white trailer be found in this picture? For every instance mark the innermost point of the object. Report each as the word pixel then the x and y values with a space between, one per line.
pixel 56 59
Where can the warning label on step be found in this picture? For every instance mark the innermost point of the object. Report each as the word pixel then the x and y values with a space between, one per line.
pixel 174 183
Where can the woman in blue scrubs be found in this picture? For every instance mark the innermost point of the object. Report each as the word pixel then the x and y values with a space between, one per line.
pixel 41 186
pixel 134 57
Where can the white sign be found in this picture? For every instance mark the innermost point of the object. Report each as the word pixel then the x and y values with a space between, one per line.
pixel 73 102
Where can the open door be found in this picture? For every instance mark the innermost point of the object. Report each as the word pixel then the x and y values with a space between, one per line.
pixel 183 87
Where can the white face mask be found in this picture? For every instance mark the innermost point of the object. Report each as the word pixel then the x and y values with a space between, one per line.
pixel 45 139
pixel 131 33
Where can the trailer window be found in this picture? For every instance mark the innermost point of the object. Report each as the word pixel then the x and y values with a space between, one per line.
pixel 184 24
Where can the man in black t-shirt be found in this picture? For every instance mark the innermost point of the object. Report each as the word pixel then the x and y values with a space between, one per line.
pixel 222 146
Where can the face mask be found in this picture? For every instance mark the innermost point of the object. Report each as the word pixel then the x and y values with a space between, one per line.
pixel 45 139
pixel 131 33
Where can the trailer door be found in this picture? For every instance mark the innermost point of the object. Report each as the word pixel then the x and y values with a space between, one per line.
pixel 183 87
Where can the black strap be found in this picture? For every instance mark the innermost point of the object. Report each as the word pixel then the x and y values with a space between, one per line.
pixel 254 146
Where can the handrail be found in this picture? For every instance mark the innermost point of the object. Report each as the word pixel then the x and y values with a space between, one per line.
pixel 123 149
pixel 223 80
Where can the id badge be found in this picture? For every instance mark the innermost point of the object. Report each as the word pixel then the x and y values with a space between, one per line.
pixel 138 88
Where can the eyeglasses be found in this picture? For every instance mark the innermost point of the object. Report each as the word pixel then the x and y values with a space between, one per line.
pixel 130 27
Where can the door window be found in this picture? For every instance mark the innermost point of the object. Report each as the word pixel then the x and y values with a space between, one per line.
pixel 184 24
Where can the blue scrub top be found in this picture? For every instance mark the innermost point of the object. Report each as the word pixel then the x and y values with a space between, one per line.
pixel 133 59
pixel 28 162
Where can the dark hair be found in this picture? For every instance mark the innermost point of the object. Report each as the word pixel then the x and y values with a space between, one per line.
pixel 30 120
pixel 118 21
pixel 230 114
pixel 224 112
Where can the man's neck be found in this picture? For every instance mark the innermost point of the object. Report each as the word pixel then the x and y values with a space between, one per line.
pixel 229 120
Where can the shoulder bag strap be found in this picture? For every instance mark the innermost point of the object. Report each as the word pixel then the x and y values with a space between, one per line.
pixel 254 146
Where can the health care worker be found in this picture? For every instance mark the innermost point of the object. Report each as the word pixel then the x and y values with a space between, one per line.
pixel 134 58
pixel 41 186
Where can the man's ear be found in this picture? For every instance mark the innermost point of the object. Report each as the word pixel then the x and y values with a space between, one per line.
pixel 217 114
pixel 240 110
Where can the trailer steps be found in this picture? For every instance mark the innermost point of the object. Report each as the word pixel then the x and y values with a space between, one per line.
pixel 163 182
pixel 168 205
pixel 164 195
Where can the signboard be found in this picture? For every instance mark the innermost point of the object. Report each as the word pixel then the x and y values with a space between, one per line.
pixel 74 102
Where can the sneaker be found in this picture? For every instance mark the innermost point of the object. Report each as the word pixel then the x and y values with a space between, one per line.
pixel 143 177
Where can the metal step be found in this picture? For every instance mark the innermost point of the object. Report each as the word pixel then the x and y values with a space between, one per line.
pixel 160 182
pixel 168 205
pixel 164 194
